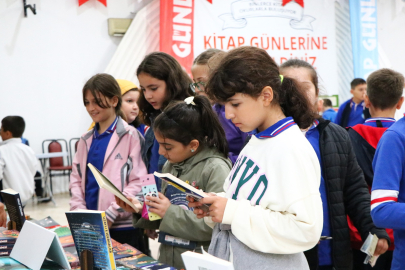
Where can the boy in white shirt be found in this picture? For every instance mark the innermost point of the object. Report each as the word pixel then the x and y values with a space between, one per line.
pixel 18 163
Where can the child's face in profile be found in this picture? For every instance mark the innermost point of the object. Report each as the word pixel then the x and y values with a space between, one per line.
pixel 129 106
pixel 98 114
pixel 154 90
pixel 200 77
pixel 174 151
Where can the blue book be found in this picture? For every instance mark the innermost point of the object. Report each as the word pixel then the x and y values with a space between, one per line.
pixel 90 232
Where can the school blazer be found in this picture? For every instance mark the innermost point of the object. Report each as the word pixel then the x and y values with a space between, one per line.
pixel 123 165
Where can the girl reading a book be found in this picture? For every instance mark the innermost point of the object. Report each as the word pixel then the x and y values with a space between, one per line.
pixel 192 140
pixel 161 80
pixel 271 210
pixel 114 148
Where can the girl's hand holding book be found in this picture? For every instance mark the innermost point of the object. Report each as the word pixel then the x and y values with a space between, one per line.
pixel 128 208
pixel 159 205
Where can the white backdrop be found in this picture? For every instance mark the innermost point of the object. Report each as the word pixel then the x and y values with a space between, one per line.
pixel 46 58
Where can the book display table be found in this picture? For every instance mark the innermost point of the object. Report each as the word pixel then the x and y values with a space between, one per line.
pixel 126 257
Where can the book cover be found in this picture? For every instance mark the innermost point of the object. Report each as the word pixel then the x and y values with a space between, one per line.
pixel 64 234
pixel 8 236
pixel 47 222
pixel 90 231
pixel 14 207
pixel 124 251
pixel 140 261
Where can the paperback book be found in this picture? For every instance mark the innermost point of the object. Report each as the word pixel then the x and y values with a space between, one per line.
pixel 90 232
pixel 14 207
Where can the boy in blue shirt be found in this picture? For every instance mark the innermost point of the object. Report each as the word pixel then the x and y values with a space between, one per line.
pixel 384 97
pixel 353 111
pixel 328 113
pixel 388 189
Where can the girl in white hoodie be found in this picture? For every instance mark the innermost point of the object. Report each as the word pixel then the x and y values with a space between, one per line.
pixel 271 210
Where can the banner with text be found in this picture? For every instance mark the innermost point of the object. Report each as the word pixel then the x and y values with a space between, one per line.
pixel 363 23
pixel 284 28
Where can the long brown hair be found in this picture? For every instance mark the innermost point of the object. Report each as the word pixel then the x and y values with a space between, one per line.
pixel 163 66
pixel 105 85
pixel 248 70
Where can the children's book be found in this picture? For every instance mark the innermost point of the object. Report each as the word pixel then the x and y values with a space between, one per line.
pixel 124 251
pixel 140 261
pixel 190 191
pixel 149 189
pixel 197 261
pixel 106 184
pixel 14 207
pixel 90 231
pixel 8 236
pixel 65 236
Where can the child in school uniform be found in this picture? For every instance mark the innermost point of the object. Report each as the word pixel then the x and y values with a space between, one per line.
pixel 343 189
pixel 193 141
pixel 200 71
pixel 384 97
pixel 271 210
pixel 387 192
pixel 161 79
pixel 114 148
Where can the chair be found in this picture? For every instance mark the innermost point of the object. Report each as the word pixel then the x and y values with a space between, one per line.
pixel 56 164
pixel 71 153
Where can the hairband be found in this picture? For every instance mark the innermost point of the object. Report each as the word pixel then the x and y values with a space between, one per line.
pixel 189 100
pixel 281 78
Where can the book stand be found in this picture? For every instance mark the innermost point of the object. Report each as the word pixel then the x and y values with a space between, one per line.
pixel 86 260
pixel 11 225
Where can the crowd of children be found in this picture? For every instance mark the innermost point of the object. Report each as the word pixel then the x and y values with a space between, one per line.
pixel 287 188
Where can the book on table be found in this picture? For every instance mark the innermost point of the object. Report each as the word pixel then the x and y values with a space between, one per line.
pixel 90 232
pixel 14 207
pixel 106 184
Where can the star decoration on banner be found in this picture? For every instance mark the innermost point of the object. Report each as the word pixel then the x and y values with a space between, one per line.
pixel 299 2
pixel 104 2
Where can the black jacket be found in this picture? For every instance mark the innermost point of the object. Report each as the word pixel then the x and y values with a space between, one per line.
pixel 347 193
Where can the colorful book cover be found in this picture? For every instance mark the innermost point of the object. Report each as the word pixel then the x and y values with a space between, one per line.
pixel 136 261
pixel 8 236
pixel 90 231
pixel 14 207
pixel 125 250
pixel 65 236
pixel 71 255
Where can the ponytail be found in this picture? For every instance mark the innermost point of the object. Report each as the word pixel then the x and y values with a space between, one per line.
pixel 184 122
pixel 294 103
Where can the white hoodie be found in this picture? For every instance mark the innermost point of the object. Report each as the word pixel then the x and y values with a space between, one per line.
pixel 276 206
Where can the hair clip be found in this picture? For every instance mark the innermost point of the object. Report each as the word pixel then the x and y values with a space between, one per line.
pixel 281 78
pixel 189 100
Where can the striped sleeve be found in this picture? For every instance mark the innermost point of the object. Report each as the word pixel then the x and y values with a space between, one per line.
pixel 381 196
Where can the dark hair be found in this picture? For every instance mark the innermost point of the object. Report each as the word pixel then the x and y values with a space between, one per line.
pixel 163 66
pixel 356 82
pixel 327 102
pixel 202 58
pixel 14 124
pixel 298 63
pixel 183 123
pixel 105 85
pixel 248 70
pixel 385 88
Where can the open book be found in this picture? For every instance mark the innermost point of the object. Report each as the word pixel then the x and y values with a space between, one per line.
pixel 106 184
pixel 191 191
pixel 197 261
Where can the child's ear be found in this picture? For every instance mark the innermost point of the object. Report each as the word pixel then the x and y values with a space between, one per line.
pixel 367 102
pixel 268 95
pixel 114 101
pixel 400 102
pixel 194 144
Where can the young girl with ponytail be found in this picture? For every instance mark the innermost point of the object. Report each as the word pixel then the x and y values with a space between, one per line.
pixel 271 210
pixel 192 140
pixel 114 148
